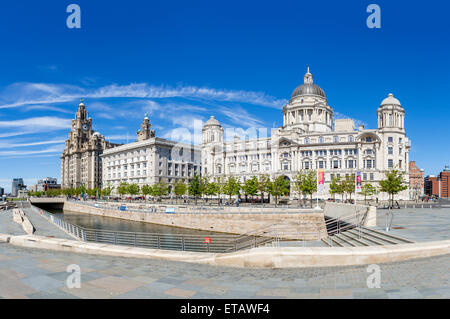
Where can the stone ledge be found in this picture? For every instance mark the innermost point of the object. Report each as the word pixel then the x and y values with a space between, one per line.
pixel 20 218
pixel 263 257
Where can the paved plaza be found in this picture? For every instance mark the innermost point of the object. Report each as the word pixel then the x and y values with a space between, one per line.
pixel 36 273
pixel 417 224
pixel 33 273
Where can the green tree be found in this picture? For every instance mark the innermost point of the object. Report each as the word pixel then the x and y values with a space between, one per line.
pixel 279 187
pixel 160 189
pixel 263 185
pixel 367 189
pixel 393 184
pixel 309 183
pixel 250 187
pixel 335 187
pixel 146 190
pixel 212 188
pixel 133 189
pixel 180 188
pixel 232 187
pixel 122 189
pixel 220 181
pixel 106 191
pixel 195 187
pixel 91 192
pixel 204 181
pixel 349 185
pixel 297 185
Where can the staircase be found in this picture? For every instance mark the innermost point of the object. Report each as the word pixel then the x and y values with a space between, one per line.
pixel 362 236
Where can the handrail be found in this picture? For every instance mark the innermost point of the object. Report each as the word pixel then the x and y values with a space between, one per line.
pixel 184 242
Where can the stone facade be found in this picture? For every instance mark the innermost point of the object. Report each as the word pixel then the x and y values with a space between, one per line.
pixel 309 140
pixel 416 181
pixel 150 160
pixel 80 162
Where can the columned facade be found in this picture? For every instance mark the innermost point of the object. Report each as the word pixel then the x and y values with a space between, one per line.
pixel 311 139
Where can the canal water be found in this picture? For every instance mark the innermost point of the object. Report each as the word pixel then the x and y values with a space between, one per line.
pixel 116 224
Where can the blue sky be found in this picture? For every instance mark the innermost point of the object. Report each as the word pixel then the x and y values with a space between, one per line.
pixel 236 60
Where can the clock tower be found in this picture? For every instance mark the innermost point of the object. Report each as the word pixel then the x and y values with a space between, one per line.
pixel 80 161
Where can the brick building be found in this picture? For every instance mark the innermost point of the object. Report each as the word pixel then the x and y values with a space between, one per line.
pixel 416 181
pixel 438 185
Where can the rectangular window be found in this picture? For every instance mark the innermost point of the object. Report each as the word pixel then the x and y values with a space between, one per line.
pixel 390 163
pixel 371 176
pixel 390 150
pixel 335 164
pixel 350 164
pixel 390 139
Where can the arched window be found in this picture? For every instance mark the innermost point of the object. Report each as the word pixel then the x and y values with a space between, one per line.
pixel 336 139
pixel 306 140
pixel 351 138
pixel 320 140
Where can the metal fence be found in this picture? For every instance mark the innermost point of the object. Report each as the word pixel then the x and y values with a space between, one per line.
pixel 200 243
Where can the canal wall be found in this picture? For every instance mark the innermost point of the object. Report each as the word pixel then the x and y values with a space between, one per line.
pixel 299 226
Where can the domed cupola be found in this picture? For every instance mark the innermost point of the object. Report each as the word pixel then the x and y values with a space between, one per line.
pixel 308 87
pixel 308 109
pixel 391 113
pixel 390 100
pixel 212 122
pixel 212 131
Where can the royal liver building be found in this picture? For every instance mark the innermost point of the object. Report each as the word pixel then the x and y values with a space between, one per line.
pixel 311 139
pixel 80 161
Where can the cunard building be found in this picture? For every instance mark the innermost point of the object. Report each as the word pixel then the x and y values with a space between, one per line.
pixel 311 139
pixel 80 162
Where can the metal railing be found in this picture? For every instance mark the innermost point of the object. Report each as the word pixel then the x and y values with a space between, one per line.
pixel 181 242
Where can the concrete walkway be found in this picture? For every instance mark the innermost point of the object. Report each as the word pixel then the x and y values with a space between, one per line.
pixel 418 224
pixel 44 227
pixel 8 225
pixel 32 273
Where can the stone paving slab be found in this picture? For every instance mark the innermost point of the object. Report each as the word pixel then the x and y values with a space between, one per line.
pixel 30 273
pixel 418 224
pixel 8 225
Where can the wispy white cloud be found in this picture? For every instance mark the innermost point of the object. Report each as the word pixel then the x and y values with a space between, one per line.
pixel 54 149
pixel 20 94
pixel 18 144
pixel 47 108
pixel 43 124
pixel 48 122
